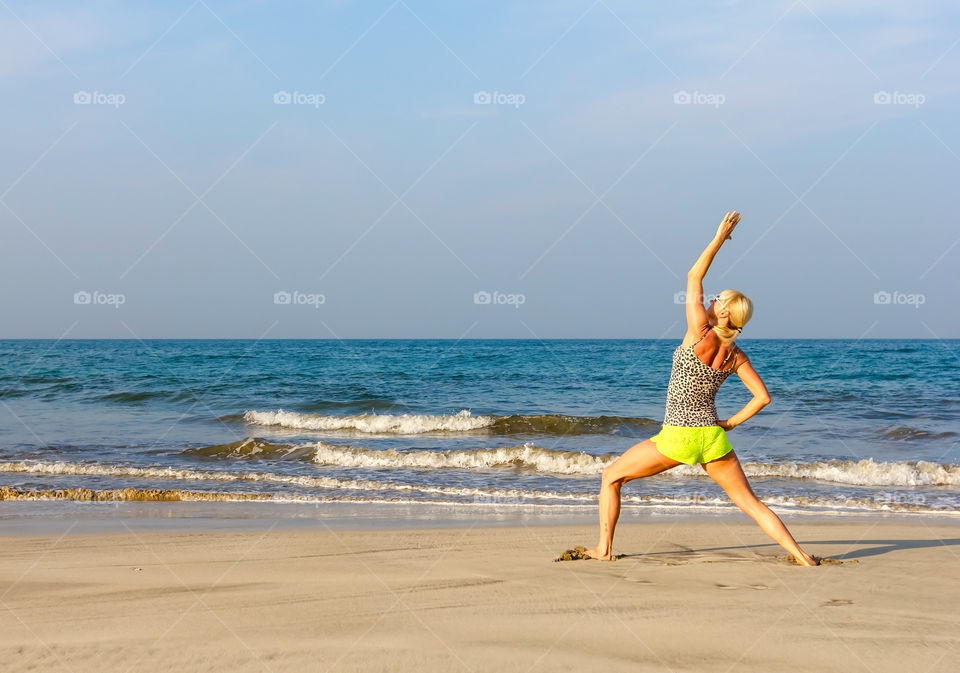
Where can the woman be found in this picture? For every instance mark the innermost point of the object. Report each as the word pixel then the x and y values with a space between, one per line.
pixel 691 432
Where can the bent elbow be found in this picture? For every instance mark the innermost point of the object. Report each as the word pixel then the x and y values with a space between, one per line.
pixel 764 401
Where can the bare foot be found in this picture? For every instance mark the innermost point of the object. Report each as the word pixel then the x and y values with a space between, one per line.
pixel 595 553
pixel 808 560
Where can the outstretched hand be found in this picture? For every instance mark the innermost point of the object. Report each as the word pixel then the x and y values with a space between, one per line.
pixel 730 221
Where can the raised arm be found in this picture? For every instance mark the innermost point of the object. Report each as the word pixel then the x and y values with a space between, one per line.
pixel 696 313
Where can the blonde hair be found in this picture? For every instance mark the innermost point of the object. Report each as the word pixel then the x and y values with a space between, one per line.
pixel 741 310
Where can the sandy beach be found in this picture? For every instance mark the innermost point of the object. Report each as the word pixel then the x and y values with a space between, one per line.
pixel 689 595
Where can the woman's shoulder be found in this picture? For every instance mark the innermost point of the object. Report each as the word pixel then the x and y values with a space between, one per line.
pixel 694 335
pixel 739 355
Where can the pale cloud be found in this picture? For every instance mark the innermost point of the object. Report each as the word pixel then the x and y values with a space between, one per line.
pixel 41 38
pixel 783 88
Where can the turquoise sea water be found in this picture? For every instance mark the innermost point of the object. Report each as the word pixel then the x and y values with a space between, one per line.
pixel 854 426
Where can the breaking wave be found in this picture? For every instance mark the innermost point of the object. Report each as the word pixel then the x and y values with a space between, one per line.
pixel 866 472
pixel 462 422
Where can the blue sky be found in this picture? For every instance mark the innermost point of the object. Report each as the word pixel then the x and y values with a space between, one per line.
pixel 569 159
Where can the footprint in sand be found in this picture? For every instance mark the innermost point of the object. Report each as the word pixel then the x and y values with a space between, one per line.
pixel 575 554
pixel 824 561
pixel 579 554
pixel 835 601
pixel 757 587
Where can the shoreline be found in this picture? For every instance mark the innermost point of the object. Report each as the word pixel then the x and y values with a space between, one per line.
pixel 38 517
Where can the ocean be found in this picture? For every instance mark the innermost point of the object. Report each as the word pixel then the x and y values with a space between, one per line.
pixel 855 426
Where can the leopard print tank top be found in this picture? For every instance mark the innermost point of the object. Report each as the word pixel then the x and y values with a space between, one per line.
pixel 693 387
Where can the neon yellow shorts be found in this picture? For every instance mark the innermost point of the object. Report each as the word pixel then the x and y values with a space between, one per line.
pixel 692 445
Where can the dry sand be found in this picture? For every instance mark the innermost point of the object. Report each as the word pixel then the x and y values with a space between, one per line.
pixel 710 595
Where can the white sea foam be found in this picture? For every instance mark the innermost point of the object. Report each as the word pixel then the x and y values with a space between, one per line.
pixel 525 456
pixel 463 421
pixel 866 472
pixel 403 424
pixel 331 489
pixel 97 469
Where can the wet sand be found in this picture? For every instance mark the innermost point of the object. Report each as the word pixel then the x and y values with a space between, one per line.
pixel 686 595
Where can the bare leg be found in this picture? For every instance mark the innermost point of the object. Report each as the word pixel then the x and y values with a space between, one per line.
pixel 729 474
pixel 641 460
